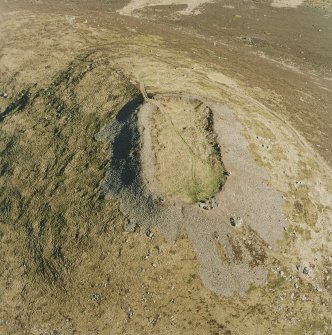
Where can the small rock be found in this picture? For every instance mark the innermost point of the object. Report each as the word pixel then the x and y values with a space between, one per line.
pixel 97 298
pixel 147 255
pixel 130 313
pixel 131 225
pixel 213 202
pixel 236 221
pixel 149 234
pixel 208 204
pixel 216 236
pixel 203 205
pixel 305 271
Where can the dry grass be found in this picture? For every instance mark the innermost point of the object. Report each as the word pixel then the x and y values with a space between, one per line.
pixel 189 165
pixel 50 224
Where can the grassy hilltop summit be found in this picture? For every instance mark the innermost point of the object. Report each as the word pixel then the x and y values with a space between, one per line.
pixel 188 159
pixel 165 167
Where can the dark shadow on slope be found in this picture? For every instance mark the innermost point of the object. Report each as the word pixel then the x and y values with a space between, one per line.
pixel 126 157
pixel 17 105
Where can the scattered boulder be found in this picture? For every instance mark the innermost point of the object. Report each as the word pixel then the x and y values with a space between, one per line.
pixel 236 221
pixel 130 313
pixel 304 269
pixel 131 226
pixel 203 205
pixel 96 298
pixel 149 234
pixel 208 204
